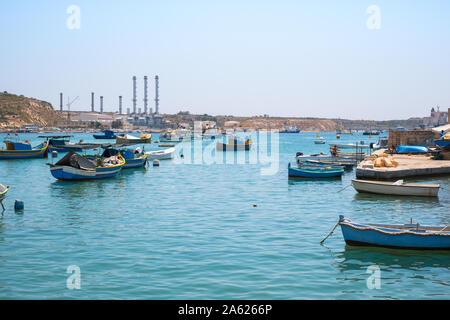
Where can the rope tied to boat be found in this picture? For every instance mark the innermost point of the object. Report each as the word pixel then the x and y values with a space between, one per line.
pixel 332 230
pixel 344 188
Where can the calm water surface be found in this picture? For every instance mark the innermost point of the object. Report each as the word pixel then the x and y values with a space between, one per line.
pixel 185 231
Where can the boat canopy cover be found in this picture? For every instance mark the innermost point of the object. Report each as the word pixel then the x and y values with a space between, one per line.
pixel 74 160
pixel 110 153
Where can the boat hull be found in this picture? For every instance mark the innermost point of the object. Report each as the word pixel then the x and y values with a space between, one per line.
pixel 166 154
pixel 314 173
pixel 365 186
pixel 443 143
pixel 41 152
pixel 366 235
pixel 67 173
pixel 135 163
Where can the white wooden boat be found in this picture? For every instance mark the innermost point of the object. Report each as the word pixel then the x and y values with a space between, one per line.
pixel 398 188
pixel 319 140
pixel 165 154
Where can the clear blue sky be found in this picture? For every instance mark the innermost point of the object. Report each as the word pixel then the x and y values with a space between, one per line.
pixel 282 58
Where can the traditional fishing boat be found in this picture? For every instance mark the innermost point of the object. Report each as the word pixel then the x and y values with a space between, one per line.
pixel 406 236
pixel 398 188
pixel 128 139
pixel 133 158
pixel 23 150
pixel 165 154
pixel 74 167
pixel 107 134
pixel 308 172
pixel 234 145
pixel 444 141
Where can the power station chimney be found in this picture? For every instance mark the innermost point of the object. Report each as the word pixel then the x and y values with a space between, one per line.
pixel 145 95
pixel 92 102
pixel 61 102
pixel 157 95
pixel 101 104
pixel 120 104
pixel 134 95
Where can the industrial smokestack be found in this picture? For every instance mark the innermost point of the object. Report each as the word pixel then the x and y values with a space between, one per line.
pixel 101 104
pixel 92 102
pixel 157 95
pixel 61 102
pixel 145 95
pixel 134 95
pixel 120 104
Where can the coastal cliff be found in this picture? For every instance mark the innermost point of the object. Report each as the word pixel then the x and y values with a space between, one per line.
pixel 16 111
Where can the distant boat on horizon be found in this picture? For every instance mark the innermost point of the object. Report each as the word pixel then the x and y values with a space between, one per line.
pixel 292 129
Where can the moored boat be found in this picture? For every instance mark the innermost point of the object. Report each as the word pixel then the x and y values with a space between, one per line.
pixel 165 154
pixel 133 158
pixel 107 134
pixel 397 188
pixel 234 145
pixel 23 150
pixel 309 172
pixel 128 139
pixel 292 129
pixel 74 167
pixel 407 236
pixel 319 140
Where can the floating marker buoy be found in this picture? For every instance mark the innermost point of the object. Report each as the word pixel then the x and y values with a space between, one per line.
pixel 156 163
pixel 255 205
pixel 54 154
pixel 18 205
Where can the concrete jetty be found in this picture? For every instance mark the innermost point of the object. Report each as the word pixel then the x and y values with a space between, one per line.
pixel 408 166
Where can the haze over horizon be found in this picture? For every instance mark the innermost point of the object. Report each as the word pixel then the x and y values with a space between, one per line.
pixel 285 58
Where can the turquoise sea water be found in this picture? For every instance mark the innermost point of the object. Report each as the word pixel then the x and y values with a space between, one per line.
pixel 190 231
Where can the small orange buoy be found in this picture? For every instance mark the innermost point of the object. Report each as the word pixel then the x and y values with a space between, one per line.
pixel 255 205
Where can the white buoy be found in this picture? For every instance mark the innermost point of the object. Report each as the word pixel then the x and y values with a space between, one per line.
pixel 156 163
pixel 54 154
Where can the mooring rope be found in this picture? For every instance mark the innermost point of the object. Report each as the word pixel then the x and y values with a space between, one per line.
pixel 332 230
pixel 344 188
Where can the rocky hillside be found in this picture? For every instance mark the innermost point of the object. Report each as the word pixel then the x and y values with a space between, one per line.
pixel 16 111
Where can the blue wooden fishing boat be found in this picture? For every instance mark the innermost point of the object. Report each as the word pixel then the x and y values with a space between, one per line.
pixel 407 236
pixel 74 167
pixel 23 150
pixel 310 172
pixel 412 149
pixel 442 143
pixel 133 158
pixel 107 134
